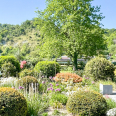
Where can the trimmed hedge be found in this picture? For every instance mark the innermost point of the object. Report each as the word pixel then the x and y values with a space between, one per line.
pixel 12 103
pixel 27 72
pixel 48 68
pixel 87 103
pixel 99 69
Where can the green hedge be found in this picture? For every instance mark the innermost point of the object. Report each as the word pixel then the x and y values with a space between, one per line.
pixel 10 59
pixel 99 69
pixel 48 68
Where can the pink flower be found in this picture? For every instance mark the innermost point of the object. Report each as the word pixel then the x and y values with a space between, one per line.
pixel 51 88
pixel 50 84
pixel 93 82
pixel 58 89
pixel 23 62
pixel 106 96
pixel 57 84
pixel 20 87
pixel 87 78
pixel 50 77
pixel 43 82
pixel 21 66
pixel 13 87
pixel 48 89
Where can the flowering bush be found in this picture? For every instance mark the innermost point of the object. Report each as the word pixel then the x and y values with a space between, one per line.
pixel 67 76
pixel 10 81
pixel 22 64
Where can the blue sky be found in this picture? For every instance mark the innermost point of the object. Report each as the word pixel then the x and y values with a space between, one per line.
pixel 18 11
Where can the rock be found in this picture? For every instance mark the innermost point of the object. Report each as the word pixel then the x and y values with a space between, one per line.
pixel 111 112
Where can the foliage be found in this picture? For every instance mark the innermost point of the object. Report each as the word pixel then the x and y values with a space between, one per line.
pixel 55 88
pixel 87 103
pixel 79 72
pixel 56 112
pixel 12 102
pixel 8 69
pixel 110 103
pixel 99 68
pixel 26 72
pixel 45 114
pixel 67 77
pixel 10 59
pixel 112 50
pixel 26 81
pixel 48 68
pixel 36 104
pixel 8 82
pixel 70 28
pixel 58 98
pixel 81 65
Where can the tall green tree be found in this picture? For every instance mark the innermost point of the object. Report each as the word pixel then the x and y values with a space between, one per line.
pixel 71 27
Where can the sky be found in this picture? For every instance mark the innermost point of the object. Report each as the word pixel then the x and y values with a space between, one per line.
pixel 18 11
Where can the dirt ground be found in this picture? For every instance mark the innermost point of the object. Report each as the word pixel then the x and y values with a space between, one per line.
pixel 62 112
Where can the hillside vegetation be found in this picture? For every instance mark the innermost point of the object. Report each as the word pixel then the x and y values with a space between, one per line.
pixel 22 41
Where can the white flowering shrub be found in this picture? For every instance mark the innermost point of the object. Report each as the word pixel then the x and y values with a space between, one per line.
pixel 10 81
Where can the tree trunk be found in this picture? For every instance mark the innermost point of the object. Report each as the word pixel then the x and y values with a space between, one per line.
pixel 74 62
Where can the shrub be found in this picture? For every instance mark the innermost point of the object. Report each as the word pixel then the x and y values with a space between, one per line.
pixel 26 81
pixel 58 98
pixel 79 72
pixel 99 69
pixel 10 81
pixel 27 72
pixel 12 103
pixel 68 76
pixel 86 103
pixel 49 68
pixel 8 69
pixel 10 59
pixel 81 65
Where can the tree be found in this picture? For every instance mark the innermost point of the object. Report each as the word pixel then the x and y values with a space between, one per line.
pixel 71 27
pixel 112 50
